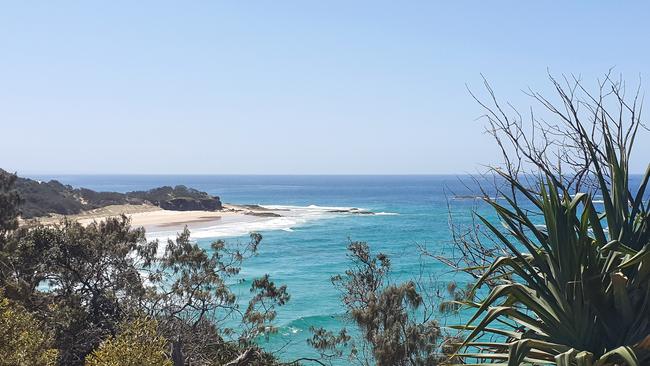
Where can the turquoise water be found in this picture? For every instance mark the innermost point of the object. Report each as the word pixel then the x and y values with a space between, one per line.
pixel 304 256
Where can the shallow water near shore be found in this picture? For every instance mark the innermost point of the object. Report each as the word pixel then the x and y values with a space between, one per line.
pixel 307 246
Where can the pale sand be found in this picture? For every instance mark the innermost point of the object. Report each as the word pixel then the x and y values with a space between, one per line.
pixel 154 218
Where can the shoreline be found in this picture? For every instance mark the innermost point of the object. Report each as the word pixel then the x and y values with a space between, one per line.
pixel 154 218
pixel 231 221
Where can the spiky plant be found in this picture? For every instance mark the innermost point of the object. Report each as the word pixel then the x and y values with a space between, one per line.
pixel 573 289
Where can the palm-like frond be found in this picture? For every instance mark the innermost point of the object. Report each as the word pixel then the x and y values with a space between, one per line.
pixel 576 288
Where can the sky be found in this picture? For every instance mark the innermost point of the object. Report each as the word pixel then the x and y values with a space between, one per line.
pixel 289 87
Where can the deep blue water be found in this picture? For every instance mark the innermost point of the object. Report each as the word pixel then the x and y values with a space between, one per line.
pixel 305 258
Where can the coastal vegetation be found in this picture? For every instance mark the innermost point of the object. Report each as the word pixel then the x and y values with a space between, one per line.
pixel 567 279
pixel 81 294
pixel 45 198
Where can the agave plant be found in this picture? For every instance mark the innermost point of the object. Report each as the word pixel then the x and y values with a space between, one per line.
pixel 575 288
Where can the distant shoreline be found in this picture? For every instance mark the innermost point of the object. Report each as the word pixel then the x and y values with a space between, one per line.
pixel 231 220
pixel 154 218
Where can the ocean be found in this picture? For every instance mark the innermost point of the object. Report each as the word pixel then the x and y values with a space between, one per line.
pixel 305 250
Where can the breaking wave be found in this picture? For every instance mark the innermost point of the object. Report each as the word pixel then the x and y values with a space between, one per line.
pixel 292 217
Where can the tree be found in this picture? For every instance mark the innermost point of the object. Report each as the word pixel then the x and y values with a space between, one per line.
pixel 136 344
pixel 85 280
pixel 385 314
pixel 24 341
pixel 91 276
pixel 567 278
pixel 9 201
pixel 190 296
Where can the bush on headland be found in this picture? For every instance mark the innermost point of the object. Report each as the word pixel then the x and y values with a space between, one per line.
pixel 45 198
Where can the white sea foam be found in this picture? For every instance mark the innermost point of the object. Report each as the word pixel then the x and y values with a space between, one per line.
pixel 292 216
pixel 386 213
pixel 291 330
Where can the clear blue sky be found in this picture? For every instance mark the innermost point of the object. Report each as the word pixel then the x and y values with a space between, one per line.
pixel 287 87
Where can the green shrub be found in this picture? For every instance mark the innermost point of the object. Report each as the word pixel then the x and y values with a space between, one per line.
pixel 137 344
pixel 23 341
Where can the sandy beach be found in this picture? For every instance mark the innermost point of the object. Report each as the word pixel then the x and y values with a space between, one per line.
pixel 155 219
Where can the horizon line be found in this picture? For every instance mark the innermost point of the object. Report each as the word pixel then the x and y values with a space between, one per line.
pixel 260 174
pixel 240 174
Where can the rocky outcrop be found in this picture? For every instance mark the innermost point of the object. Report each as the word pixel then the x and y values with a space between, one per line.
pixel 262 214
pixel 191 204
pixel 179 198
pixel 254 210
